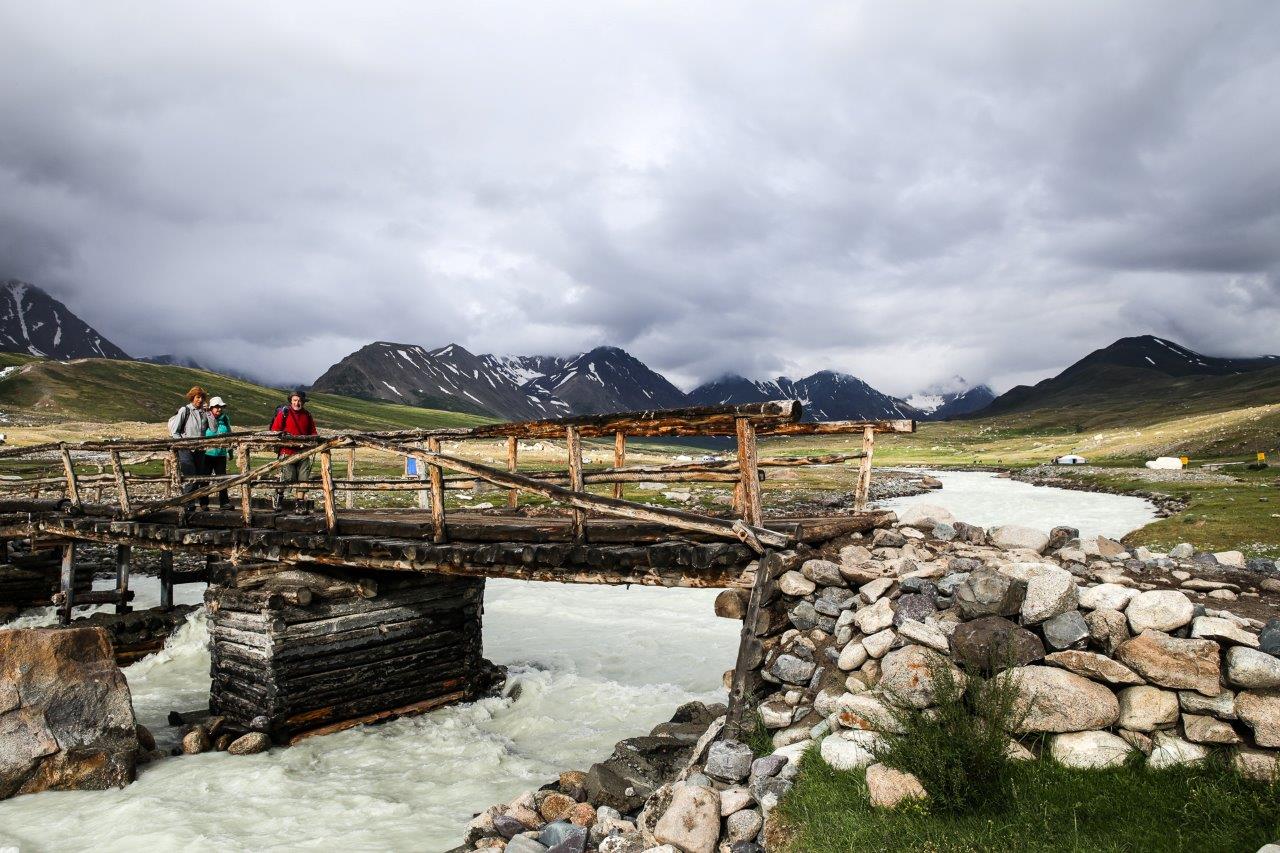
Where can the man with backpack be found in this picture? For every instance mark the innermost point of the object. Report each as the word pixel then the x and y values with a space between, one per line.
pixel 191 421
pixel 293 419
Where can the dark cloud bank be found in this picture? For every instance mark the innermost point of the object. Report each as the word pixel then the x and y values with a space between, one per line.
pixel 902 191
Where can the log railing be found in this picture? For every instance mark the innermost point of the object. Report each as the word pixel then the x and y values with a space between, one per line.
pixel 139 495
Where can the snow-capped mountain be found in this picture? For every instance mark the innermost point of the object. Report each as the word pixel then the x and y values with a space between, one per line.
pixel 950 399
pixel 33 322
pixel 826 395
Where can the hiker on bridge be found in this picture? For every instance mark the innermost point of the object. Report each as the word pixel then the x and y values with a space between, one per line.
pixel 216 457
pixel 191 421
pixel 293 419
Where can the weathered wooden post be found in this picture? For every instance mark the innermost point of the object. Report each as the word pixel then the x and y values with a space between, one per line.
pixel 749 473
pixel 246 490
pixel 166 580
pixel 863 493
pixel 619 459
pixel 123 555
pixel 756 625
pixel 326 489
pixel 574 440
pixel 424 494
pixel 122 487
pixel 73 489
pixel 351 475
pixel 437 494
pixel 513 454
pixel 68 582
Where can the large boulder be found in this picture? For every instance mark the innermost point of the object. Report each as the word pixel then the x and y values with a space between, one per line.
pixel 925 516
pixel 992 643
pixel 1012 536
pixel 887 787
pixel 1252 669
pixel 909 676
pixel 1048 594
pixel 987 592
pixel 66 719
pixel 1054 700
pixel 1111 596
pixel 1089 750
pixel 692 822
pixel 1159 610
pixel 1171 662
pixel 1144 708
pixel 1260 712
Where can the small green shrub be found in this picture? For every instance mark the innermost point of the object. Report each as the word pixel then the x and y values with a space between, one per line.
pixel 756 735
pixel 958 749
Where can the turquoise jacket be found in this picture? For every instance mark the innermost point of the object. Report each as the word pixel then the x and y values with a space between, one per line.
pixel 221 426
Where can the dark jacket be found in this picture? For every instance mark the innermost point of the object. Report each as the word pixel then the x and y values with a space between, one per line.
pixel 293 423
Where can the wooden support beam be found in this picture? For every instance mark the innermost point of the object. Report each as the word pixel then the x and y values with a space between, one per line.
pixel 749 473
pixel 122 488
pixel 834 427
pixel 326 487
pixel 351 475
pixel 246 490
pixel 574 442
pixel 175 471
pixel 166 580
pixel 513 459
pixel 437 492
pixel 748 645
pixel 863 492
pixel 123 555
pixel 68 582
pixel 619 459
pixel 73 488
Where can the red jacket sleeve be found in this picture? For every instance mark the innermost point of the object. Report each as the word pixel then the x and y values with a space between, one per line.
pixel 276 422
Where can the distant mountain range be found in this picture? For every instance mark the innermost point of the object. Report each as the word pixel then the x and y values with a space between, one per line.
pixel 605 379
pixel 1136 370
pixel 34 323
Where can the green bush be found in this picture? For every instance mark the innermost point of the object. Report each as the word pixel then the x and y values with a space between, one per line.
pixel 959 748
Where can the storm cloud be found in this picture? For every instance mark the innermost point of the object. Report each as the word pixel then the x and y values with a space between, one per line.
pixel 903 191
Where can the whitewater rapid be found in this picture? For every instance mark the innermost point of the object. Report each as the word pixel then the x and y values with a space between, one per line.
pixel 593 664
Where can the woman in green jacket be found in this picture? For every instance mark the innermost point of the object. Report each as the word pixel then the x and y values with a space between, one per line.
pixel 216 457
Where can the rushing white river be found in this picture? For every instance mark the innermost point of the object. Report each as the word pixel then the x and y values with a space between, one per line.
pixel 594 664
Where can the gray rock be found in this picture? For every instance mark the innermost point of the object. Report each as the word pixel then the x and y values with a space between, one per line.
pixel 885 537
pixel 1048 594
pixel 525 844
pixel 1145 709
pixel 874 617
pixel 250 744
pixel 1172 662
pixel 804 616
pixel 917 583
pixel 795 584
pixel 563 837
pixel 944 531
pixel 1011 536
pixel 793 670
pixel 1095 666
pixel 850 750
pixel 993 642
pixel 729 760
pixel 823 573
pixel 1107 629
pixel 916 606
pixel 1110 596
pixel 1089 750
pixel 1170 750
pixel 1221 630
pixel 692 822
pixel 1060 536
pixel 1200 729
pixel 989 593
pixel 1260 712
pixel 743 825
pixel 1183 551
pixel 1066 630
pixel 1222 706
pixel 1269 639
pixel 507 826
pixel 1252 669
pixel 767 765
pixel 948 584
pixel 833 599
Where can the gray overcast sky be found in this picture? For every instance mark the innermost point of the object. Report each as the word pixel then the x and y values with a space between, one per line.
pixel 902 191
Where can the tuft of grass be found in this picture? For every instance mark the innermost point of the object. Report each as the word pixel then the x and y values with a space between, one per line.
pixel 756 735
pixel 958 748
pixel 1194 809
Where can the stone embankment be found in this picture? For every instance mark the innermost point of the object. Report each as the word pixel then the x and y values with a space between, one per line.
pixel 1112 653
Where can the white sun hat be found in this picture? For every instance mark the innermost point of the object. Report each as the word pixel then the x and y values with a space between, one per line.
pixel 216 401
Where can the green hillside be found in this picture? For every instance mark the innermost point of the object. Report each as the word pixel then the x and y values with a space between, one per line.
pixel 109 391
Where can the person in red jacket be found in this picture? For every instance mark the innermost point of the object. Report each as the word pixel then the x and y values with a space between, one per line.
pixel 293 419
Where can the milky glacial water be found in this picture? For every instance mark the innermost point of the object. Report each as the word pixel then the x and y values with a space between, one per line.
pixel 594 664
pixel 982 498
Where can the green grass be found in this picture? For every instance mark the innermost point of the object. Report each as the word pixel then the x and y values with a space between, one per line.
pixel 1220 516
pixel 1052 808
pixel 110 391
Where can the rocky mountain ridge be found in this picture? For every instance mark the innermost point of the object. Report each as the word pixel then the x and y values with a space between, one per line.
pixel 34 323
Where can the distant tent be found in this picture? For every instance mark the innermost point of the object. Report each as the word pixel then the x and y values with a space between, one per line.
pixel 1166 463
pixel 1070 459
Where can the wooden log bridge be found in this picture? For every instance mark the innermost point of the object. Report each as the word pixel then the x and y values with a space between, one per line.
pixel 326 614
